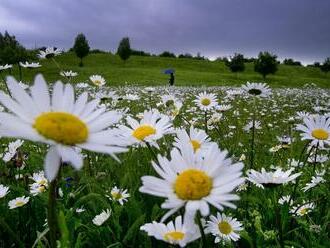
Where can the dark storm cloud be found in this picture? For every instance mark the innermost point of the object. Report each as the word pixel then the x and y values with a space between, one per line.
pixel 289 28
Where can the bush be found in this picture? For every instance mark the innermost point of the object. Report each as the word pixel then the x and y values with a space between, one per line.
pixel 236 64
pixel 325 67
pixel 167 54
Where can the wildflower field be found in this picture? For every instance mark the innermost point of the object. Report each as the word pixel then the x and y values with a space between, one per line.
pixel 89 165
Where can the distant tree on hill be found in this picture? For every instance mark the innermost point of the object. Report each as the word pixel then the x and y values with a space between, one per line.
pixel 139 53
pixel 317 64
pixel 325 67
pixel 11 51
pixel 185 56
pixel 81 47
pixel 124 49
pixel 167 54
pixel 291 62
pixel 265 64
pixel 236 63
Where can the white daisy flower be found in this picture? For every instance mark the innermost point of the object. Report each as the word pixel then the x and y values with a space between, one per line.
pixel 302 209
pixel 68 74
pixel 99 219
pixel 97 80
pixel 131 97
pixel 285 199
pixel 18 202
pixel 196 137
pixel 5 67
pixel 11 150
pixel 80 210
pixel 316 129
pixel 273 178
pixel 314 182
pixel 177 233
pixel 150 128
pixel 4 190
pixel 194 182
pixel 50 52
pixel 36 189
pixel 39 178
pixel 256 89
pixel 223 227
pixel 119 195
pixel 206 101
pixel 60 121
pixel 30 65
pixel 249 126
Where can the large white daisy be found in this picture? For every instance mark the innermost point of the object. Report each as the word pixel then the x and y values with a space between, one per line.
pixel 198 139
pixel 59 120
pixel 150 128
pixel 223 227
pixel 257 89
pixel 206 101
pixel 177 233
pixel 316 129
pixel 194 182
pixel 49 52
pixel 272 178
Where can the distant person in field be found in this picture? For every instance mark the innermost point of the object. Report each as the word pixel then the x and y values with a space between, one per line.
pixel 171 81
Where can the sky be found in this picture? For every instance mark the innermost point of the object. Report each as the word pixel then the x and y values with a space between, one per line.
pixel 298 29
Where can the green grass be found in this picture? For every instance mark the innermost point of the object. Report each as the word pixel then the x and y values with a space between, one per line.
pixel 189 72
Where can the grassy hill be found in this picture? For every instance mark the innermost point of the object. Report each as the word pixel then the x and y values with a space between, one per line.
pixel 148 71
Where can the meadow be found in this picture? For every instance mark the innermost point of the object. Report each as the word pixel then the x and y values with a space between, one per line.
pixel 221 162
pixel 139 70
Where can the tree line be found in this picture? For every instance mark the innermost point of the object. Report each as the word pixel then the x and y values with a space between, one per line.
pixel 12 52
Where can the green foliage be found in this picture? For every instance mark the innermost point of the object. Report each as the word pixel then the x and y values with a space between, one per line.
pixel 81 47
pixel 167 54
pixel 236 64
pixel 124 49
pixel 266 64
pixel 325 67
pixel 11 51
pixel 291 62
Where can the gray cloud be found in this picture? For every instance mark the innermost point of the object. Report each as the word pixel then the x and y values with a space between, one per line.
pixel 289 28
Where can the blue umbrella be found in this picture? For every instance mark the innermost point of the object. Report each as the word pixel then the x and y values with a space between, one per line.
pixel 169 71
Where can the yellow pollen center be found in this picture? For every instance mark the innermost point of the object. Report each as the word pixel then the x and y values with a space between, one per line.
pixel 19 204
pixel 174 236
pixel 143 131
pixel 116 195
pixel 206 101
pixel 61 127
pixel 192 184
pixel 320 134
pixel 195 144
pixel 303 211
pixel 225 227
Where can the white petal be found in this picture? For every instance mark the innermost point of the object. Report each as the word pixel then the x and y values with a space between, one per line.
pixel 52 163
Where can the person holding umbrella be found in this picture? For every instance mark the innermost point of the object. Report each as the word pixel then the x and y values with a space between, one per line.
pixel 171 73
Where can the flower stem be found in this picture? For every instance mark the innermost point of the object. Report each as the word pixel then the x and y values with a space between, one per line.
pixel 52 213
pixel 205 120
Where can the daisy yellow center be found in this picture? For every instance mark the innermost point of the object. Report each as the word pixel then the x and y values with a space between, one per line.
pixel 43 182
pixel 116 195
pixel 196 144
pixel 206 101
pixel 225 227
pixel 177 236
pixel 19 203
pixel 143 131
pixel 61 127
pixel 303 211
pixel 97 82
pixel 192 184
pixel 320 134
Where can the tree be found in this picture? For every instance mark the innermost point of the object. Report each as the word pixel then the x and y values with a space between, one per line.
pixel 11 51
pixel 291 62
pixel 325 67
pixel 167 54
pixel 236 63
pixel 124 49
pixel 81 47
pixel 265 64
